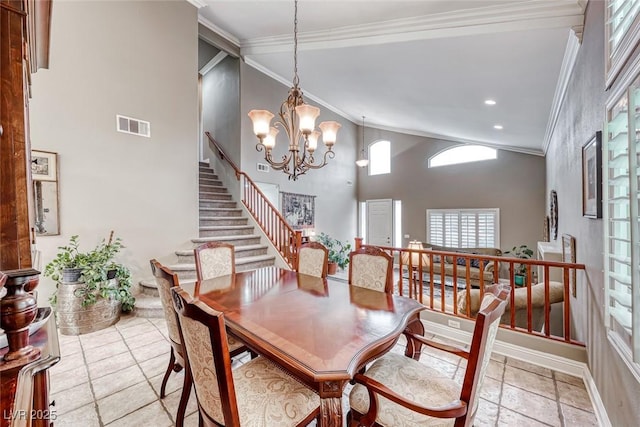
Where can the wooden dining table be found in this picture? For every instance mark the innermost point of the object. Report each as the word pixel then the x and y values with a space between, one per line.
pixel 320 331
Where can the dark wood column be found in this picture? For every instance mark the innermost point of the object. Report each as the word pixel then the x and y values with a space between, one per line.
pixel 24 47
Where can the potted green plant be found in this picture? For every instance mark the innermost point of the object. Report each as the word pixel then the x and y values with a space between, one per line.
pixel 338 252
pixel 90 280
pixel 522 252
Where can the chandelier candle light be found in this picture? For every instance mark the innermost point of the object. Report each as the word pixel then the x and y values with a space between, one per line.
pixel 299 121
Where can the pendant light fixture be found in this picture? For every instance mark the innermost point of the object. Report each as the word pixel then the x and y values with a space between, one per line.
pixel 362 161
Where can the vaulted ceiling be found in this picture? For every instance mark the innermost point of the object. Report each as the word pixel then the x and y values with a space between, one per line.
pixel 420 67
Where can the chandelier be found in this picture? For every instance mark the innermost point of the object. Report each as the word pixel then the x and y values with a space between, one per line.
pixel 298 121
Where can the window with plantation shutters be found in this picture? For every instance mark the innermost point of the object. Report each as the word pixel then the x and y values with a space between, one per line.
pixel 622 29
pixel 621 199
pixel 464 228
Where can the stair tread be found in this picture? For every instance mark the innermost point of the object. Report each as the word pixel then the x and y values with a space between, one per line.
pixel 221 209
pixel 231 237
pixel 147 301
pixel 239 261
pixel 235 218
pixel 226 227
pixel 239 248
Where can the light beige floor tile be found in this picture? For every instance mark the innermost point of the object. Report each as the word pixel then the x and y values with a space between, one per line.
pixel 487 414
pixel 64 380
pixel 155 366
pixel 495 370
pixel 72 398
pixel 150 415
pixel 546 372
pixel 445 368
pixel 125 401
pixel 498 357
pixel 91 341
pixel 491 390
pixel 67 363
pixel 175 382
pixel 109 365
pixel 85 416
pixel 116 381
pixel 172 401
pixel 129 320
pixel 106 351
pixel 577 417
pixel 151 350
pixel 570 379
pixel 513 419
pixel 191 420
pixel 575 396
pixel 72 347
pixel 67 339
pixel 530 404
pixel 529 381
pixel 147 338
pixel 137 330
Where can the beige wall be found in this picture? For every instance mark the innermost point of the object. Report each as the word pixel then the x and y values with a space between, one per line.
pixel 138 59
pixel 334 185
pixel 514 183
pixel 583 114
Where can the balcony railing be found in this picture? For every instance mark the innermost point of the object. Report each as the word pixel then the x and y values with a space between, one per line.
pixel 454 287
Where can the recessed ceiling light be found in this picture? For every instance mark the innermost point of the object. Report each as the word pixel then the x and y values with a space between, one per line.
pixel 490 102
pixel 499 127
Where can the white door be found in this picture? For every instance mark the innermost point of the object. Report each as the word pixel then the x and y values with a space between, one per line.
pixel 380 222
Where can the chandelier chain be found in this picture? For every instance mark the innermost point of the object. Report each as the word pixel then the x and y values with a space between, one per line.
pixel 296 80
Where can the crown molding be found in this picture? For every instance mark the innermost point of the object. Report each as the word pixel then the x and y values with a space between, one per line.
pixel 531 15
pixel 198 3
pixel 568 62
pixel 222 33
pixel 213 62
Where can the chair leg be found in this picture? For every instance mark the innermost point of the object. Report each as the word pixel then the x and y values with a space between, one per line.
pixel 172 364
pixel 184 398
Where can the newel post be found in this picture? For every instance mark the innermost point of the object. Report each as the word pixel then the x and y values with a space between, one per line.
pixel 358 243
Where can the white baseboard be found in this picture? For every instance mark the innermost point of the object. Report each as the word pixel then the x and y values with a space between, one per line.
pixel 545 360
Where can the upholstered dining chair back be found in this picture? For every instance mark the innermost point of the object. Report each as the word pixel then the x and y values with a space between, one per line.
pixel 371 267
pixel 268 395
pixel 312 259
pixel 214 259
pixel 165 280
pixel 422 395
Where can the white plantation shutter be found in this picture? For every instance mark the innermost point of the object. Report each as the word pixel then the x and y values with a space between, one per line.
pixel 463 228
pixel 622 32
pixel 621 198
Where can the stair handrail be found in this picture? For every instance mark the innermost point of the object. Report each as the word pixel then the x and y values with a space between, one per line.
pixel 283 237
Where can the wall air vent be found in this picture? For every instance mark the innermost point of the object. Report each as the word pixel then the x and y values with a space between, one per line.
pixel 263 167
pixel 133 126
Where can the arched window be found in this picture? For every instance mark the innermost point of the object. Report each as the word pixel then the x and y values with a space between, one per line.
pixel 462 154
pixel 380 158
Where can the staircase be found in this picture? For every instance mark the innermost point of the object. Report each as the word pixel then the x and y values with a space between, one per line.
pixel 221 220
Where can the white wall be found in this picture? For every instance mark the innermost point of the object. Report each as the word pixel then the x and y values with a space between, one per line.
pixel 138 59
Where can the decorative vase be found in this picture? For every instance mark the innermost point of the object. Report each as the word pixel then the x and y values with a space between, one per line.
pixel 519 280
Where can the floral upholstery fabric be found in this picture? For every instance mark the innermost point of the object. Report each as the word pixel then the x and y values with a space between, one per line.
pixel 369 271
pixel 311 261
pixel 164 289
pixel 197 343
pixel 267 396
pixel 412 380
pixel 215 262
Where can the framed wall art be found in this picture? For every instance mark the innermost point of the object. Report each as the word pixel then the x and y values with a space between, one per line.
pixel 44 165
pixel 592 177
pixel 298 210
pixel 569 255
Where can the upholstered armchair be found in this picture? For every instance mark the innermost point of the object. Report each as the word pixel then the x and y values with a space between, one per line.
pixel 371 267
pixel 399 391
pixel 312 259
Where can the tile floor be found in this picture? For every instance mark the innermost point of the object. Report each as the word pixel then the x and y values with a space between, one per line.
pixel 112 378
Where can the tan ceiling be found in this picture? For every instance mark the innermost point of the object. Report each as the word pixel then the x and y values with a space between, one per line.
pixel 420 67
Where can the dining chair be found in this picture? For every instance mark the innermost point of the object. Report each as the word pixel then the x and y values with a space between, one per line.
pixel 312 259
pixel 214 259
pixel 165 280
pixel 400 391
pixel 372 268
pixel 257 393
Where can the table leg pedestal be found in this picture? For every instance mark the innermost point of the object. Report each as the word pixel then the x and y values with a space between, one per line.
pixel 331 403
